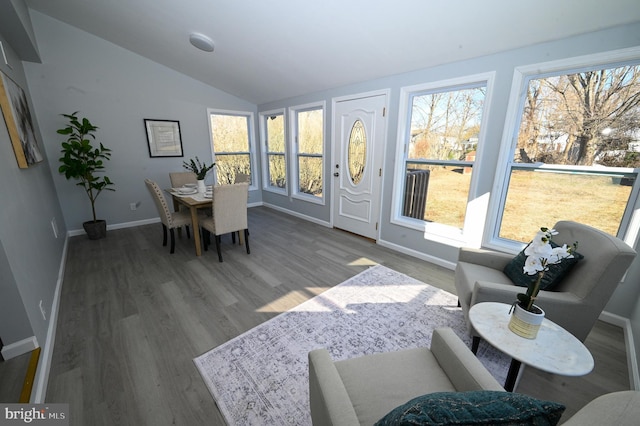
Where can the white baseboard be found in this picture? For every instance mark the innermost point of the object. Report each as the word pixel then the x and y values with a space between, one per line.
pixel 428 258
pixel 632 360
pixel 299 215
pixel 44 366
pixel 76 232
pixel 20 347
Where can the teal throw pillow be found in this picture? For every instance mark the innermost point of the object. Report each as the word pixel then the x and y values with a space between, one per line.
pixel 551 278
pixel 474 408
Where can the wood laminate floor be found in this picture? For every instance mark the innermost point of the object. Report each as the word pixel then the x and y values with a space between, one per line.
pixel 132 316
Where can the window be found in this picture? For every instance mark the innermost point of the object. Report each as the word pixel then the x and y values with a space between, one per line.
pixel 438 145
pixel 232 142
pixel 273 140
pixel 308 145
pixel 575 150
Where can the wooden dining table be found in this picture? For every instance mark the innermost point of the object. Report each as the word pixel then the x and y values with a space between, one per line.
pixel 193 202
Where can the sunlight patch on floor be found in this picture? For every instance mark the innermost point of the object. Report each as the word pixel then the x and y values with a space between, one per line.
pixel 363 261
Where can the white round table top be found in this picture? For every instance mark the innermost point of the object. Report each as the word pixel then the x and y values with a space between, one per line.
pixel 554 349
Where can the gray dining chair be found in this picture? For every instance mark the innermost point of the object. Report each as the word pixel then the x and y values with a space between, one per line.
pixel 229 214
pixel 169 220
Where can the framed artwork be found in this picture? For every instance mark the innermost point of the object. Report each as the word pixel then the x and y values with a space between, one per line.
pixel 163 137
pixel 17 117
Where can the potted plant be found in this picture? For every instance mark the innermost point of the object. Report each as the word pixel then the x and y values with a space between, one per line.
pixel 200 169
pixel 82 161
pixel 527 317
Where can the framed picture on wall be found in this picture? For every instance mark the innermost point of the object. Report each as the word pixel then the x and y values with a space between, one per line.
pixel 163 137
pixel 17 116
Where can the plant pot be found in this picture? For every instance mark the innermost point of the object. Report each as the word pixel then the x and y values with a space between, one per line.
pixel 525 323
pixel 95 230
pixel 201 186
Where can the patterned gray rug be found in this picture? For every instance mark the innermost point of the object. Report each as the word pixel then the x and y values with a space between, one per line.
pixel 261 376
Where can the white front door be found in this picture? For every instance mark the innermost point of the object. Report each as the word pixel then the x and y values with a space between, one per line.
pixel 359 139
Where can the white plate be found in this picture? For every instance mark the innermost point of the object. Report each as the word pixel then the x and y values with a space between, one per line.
pixel 208 195
pixel 187 191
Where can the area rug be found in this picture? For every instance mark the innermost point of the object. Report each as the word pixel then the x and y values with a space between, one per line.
pixel 261 376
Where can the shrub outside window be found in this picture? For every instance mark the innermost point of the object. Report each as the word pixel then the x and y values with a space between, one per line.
pixel 232 143
pixel 308 138
pixel 275 160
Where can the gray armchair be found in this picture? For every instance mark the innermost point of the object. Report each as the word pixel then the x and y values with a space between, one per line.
pixel 362 390
pixel 577 301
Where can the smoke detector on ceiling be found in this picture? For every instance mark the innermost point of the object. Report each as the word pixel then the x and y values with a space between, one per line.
pixel 201 41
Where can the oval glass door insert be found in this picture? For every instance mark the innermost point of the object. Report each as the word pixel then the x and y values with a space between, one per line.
pixel 357 152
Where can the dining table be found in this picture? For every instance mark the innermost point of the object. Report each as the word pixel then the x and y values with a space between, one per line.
pixel 193 202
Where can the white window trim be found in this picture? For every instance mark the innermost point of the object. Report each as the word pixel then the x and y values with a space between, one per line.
pixel 293 181
pixel 476 212
pixel 265 157
pixel 252 141
pixel 628 227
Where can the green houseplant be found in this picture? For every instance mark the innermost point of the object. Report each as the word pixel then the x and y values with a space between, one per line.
pixel 84 162
pixel 200 169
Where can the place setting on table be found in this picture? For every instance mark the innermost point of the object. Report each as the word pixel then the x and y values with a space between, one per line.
pixel 190 190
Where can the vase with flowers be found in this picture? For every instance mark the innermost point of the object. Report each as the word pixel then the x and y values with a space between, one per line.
pixel 200 169
pixel 540 254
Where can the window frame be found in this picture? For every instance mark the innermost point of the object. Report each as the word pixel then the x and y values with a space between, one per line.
pixel 475 215
pixel 629 226
pixel 294 180
pixel 251 138
pixel 264 143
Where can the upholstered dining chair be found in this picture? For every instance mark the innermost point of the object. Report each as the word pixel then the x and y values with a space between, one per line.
pixel 179 179
pixel 229 214
pixel 578 299
pixel 169 220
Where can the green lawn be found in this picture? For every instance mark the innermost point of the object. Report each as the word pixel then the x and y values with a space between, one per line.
pixel 535 199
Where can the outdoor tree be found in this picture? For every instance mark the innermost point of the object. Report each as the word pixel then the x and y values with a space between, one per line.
pixel 580 118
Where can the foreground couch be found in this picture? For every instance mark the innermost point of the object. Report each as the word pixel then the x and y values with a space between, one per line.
pixel 362 390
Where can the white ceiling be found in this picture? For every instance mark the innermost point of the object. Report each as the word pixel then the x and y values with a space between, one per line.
pixel 267 50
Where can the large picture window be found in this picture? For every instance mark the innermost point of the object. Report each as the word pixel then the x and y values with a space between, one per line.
pixel 575 152
pixel 232 141
pixel 274 148
pixel 308 142
pixel 439 144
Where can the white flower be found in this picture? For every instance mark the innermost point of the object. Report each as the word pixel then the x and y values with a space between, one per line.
pixel 532 265
pixel 540 254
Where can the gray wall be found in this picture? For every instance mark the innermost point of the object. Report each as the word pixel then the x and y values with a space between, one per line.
pixel 116 89
pixel 30 255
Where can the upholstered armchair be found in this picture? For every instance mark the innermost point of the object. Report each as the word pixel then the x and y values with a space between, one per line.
pixel 575 303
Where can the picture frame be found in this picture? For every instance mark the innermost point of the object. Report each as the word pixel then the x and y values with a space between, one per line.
pixel 19 121
pixel 163 138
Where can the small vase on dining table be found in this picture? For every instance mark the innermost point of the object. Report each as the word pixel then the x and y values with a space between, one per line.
pixel 201 186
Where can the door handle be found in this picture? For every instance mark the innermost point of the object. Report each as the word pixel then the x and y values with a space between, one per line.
pixel 336 174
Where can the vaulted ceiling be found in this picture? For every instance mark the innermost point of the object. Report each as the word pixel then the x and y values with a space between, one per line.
pixel 267 50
